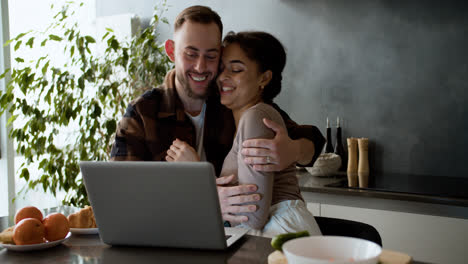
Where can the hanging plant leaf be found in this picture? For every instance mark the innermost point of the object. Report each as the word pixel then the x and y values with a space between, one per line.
pixel 25 174
pixel 55 37
pixel 74 116
pixel 90 39
pixel 17 45
pixel 30 42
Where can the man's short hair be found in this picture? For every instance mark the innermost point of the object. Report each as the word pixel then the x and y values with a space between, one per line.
pixel 198 14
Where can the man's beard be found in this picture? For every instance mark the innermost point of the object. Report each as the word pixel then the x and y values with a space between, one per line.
pixel 182 78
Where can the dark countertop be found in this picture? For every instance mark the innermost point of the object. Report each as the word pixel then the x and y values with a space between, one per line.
pixel 90 249
pixel 426 189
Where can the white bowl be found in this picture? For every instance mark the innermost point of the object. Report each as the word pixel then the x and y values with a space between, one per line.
pixel 331 249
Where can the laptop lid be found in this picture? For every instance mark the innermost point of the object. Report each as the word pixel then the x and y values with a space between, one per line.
pixel 156 203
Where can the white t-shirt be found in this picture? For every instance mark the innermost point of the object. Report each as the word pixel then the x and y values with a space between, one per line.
pixel 198 122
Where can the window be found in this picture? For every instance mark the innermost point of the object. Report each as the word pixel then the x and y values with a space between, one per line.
pixel 25 15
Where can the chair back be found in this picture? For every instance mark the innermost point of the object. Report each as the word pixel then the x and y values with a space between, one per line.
pixel 342 227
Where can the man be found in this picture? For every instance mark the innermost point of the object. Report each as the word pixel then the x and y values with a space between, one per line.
pixel 186 108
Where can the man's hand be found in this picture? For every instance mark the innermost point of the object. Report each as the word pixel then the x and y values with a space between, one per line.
pixel 181 151
pixel 271 154
pixel 230 198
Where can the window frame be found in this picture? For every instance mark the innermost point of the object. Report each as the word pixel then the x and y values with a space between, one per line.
pixel 6 144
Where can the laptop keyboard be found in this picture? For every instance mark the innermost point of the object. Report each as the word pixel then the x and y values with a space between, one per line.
pixel 227 236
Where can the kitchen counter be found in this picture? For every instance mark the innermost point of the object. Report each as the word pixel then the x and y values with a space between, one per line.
pixel 425 189
pixel 90 249
pixel 403 208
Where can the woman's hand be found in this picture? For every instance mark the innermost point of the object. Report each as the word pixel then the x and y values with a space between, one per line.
pixel 181 151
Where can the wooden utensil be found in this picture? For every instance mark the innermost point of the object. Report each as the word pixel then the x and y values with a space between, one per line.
pixel 386 257
pixel 394 257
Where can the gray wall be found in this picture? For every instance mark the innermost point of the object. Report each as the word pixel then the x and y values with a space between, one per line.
pixel 395 71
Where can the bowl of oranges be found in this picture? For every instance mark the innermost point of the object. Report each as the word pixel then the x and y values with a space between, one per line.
pixel 32 231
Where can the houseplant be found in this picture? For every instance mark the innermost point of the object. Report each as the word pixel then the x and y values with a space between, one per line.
pixel 66 112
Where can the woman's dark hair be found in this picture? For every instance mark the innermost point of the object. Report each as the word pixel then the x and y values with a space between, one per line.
pixel 267 51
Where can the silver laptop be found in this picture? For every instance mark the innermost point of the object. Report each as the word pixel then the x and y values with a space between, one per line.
pixel 166 204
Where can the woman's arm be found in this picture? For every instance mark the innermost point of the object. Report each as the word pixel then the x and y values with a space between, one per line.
pixel 299 143
pixel 251 126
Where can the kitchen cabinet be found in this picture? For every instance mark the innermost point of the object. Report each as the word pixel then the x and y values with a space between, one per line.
pixel 434 239
pixel 314 208
pixel 428 222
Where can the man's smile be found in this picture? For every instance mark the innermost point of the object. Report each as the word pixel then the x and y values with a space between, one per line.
pixel 198 77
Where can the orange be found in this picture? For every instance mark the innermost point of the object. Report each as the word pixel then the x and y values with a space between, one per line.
pixel 28 231
pixel 28 212
pixel 56 226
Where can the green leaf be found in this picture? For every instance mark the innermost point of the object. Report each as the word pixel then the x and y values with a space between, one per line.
pixel 18 59
pixel 39 61
pixel 17 46
pixel 8 42
pixel 43 42
pixel 45 185
pixel 22 35
pixel 42 164
pixel 90 39
pixel 105 35
pixel 96 111
pixel 89 75
pixel 25 174
pixel 109 29
pixel 45 67
pixel 11 119
pixel 44 83
pixel 55 37
pixel 114 44
pixel 71 35
pixel 4 73
pixel 81 83
pixel 110 126
pixel 47 98
pixel 30 42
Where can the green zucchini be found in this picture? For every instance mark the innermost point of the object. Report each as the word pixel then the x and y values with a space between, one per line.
pixel 278 241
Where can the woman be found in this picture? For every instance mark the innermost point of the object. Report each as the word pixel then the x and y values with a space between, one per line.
pixel 251 74
pixel 250 77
